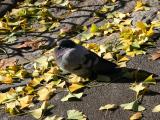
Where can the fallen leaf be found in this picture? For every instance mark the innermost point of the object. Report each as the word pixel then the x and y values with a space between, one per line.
pixel 11 107
pixel 36 81
pixel 139 6
pixel 150 80
pixel 123 59
pixel 142 26
pixel 116 20
pixel 41 63
pixel 136 116
pixel 12 104
pixel 48 76
pixel 121 15
pixel 126 22
pixel 74 87
pixel 3 97
pixel 7 62
pixel 35 73
pixel 75 115
pixel 34 44
pixel 7 79
pixel 21 74
pixel 11 94
pixel 76 79
pixel 156 108
pixel 55 117
pixel 108 56
pixel 150 32
pixel 54 25
pixel 113 1
pixel 46 96
pixel 37 113
pixel 138 87
pixel 134 106
pixel 54 70
pixel 69 96
pixel 25 101
pixel 87 36
pixel 108 107
pixel 93 28
pixel 92 46
pixel 155 55
pixel 57 1
pixel 65 30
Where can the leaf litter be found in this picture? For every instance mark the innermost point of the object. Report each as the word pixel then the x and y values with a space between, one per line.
pixel 46 76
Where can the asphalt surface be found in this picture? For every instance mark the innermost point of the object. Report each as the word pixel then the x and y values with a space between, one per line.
pixel 116 92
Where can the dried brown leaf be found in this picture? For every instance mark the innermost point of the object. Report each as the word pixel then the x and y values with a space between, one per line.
pixel 34 44
pixel 7 62
pixel 136 116
pixel 155 55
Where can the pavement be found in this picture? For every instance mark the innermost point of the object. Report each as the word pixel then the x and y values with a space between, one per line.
pixel 117 92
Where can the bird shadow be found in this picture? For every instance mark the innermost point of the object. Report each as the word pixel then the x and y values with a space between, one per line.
pixel 127 75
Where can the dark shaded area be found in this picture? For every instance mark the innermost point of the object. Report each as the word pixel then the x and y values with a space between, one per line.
pixel 7 5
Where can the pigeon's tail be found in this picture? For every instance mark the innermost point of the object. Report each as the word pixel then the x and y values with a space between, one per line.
pixel 106 67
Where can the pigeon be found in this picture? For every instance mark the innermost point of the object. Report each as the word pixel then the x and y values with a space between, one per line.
pixel 76 59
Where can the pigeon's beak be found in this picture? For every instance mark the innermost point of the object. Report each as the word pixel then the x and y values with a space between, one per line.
pixel 58 42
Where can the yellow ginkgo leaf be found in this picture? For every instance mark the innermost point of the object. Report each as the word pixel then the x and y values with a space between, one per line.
pixel 93 28
pixel 156 108
pixel 75 79
pixel 138 87
pixel 54 70
pixel 21 74
pixel 44 93
pixel 36 81
pixel 12 104
pixel 75 87
pixel 108 56
pixel 11 107
pixel 123 59
pixel 139 6
pixel 150 32
pixel 92 46
pixel 37 113
pixel 3 97
pixel 142 26
pixel 7 79
pixel 29 89
pixel 53 118
pixel 25 101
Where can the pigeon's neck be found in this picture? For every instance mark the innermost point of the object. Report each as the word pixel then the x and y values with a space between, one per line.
pixel 61 52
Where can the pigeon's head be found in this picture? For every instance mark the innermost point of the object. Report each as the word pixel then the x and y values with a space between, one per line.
pixel 63 46
pixel 66 44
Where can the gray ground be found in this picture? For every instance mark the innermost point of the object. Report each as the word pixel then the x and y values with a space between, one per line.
pixel 117 93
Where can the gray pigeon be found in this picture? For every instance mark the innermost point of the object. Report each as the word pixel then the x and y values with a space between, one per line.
pixel 74 58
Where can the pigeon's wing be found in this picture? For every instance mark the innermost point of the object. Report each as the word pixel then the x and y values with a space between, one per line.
pixel 102 66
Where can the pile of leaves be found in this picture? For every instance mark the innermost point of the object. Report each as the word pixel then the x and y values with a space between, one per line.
pixel 45 78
